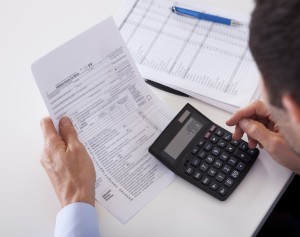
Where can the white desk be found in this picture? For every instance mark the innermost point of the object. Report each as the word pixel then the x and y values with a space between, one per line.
pixel 28 204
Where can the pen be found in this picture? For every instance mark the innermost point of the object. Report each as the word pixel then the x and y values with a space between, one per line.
pixel 205 16
pixel 165 88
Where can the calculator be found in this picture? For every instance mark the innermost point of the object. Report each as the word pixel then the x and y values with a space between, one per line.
pixel 203 153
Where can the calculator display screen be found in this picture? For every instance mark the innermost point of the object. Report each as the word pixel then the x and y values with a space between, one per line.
pixel 183 137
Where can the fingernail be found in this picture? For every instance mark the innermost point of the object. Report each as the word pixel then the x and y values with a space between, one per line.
pixel 65 122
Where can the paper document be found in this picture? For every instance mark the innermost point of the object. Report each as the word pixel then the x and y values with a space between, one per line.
pixel 93 80
pixel 206 60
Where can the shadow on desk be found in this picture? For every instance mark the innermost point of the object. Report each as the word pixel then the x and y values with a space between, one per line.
pixel 285 218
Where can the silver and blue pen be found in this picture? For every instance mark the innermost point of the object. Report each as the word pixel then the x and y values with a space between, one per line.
pixel 205 16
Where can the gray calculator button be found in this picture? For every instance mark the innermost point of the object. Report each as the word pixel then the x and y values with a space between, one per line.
pixel 210 159
pixel 242 155
pixel 224 156
pixel 205 180
pixel 222 191
pixel 241 166
pixel 212 172
pixel 229 182
pixel 208 146
pixel 219 132
pixel 214 139
pixel 218 164
pixel 197 175
pixel 189 171
pixel 195 150
pixel 201 154
pixel 235 174
pixel 226 169
pixel 214 186
pixel 195 162
pixel 232 161
pixel 222 143
pixel 216 151
pixel 204 167
pixel 220 177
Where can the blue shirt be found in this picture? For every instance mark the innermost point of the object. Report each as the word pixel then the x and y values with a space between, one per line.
pixel 77 220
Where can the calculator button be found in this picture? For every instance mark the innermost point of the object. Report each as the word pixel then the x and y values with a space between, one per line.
pixel 214 186
pixel 218 164
pixel 212 172
pixel 243 146
pixel 216 151
pixel 195 162
pixel 208 146
pixel 200 143
pixel 232 161
pixel 224 156
pixel 220 177
pixel 242 155
pixel 189 171
pixel 205 180
pixel 201 154
pixel 219 132
pixel 252 152
pixel 222 143
pixel 210 159
pixel 241 166
pixel 207 135
pixel 204 167
pixel 227 137
pixel 235 142
pixel 197 175
pixel 213 128
pixel 230 148
pixel 226 169
pixel 222 191
pixel 214 139
pixel 235 174
pixel 195 150
pixel 229 182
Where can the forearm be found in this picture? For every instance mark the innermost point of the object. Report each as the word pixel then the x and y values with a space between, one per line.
pixel 77 219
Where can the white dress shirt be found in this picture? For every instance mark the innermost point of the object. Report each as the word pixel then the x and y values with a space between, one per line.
pixel 77 220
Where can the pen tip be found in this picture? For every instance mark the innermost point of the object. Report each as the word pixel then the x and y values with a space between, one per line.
pixel 173 9
pixel 236 23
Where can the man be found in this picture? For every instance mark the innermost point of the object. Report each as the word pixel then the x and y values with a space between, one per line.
pixel 275 125
pixel 275 44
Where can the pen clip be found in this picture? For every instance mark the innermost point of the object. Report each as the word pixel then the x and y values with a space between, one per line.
pixel 185 12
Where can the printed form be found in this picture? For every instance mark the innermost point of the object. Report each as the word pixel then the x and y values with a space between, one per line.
pixel 206 60
pixel 93 80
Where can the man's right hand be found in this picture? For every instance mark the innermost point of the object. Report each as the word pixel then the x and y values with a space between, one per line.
pixel 256 122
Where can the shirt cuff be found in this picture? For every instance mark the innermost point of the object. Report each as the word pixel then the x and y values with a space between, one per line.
pixel 77 219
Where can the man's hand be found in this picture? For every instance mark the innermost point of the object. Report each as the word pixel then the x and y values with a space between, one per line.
pixel 67 163
pixel 256 122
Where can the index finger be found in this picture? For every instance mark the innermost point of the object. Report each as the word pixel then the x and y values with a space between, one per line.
pixel 255 108
pixel 48 129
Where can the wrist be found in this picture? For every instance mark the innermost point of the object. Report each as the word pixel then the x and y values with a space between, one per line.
pixel 83 196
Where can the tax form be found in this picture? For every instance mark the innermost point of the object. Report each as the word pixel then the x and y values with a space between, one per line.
pixel 93 80
pixel 209 61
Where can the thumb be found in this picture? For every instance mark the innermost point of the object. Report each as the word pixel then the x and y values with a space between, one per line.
pixel 67 130
pixel 255 130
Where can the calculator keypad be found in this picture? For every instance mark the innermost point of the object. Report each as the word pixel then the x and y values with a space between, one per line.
pixel 217 164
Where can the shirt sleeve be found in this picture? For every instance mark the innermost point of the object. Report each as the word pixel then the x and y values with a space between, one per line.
pixel 77 220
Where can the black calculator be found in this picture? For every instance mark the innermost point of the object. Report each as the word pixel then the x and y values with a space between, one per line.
pixel 203 153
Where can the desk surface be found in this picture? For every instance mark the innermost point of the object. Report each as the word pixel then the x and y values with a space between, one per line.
pixel 28 205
